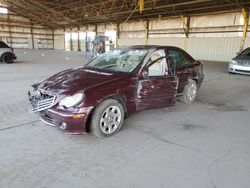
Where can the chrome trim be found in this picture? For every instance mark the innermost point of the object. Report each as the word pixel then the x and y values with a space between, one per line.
pixel 243 63
pixel 60 114
pixel 43 104
pixel 41 101
pixel 44 121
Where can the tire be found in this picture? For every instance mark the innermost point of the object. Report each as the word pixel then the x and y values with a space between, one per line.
pixel 7 58
pixel 190 92
pixel 107 118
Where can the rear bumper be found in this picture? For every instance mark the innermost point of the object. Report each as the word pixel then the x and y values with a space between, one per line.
pixel 70 122
pixel 239 69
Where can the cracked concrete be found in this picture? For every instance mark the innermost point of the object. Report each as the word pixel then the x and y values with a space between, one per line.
pixel 205 144
pixel 213 163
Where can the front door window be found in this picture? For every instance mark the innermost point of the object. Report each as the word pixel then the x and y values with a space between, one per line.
pixel 158 68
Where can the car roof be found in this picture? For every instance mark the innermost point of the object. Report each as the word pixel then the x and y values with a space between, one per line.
pixel 145 47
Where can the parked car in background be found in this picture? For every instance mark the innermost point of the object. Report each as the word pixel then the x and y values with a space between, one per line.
pixel 98 96
pixel 241 63
pixel 7 54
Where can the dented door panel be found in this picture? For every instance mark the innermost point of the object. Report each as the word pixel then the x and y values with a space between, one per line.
pixel 184 73
pixel 156 92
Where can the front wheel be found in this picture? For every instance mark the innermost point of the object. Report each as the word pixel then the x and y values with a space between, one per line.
pixel 107 118
pixel 190 92
pixel 7 58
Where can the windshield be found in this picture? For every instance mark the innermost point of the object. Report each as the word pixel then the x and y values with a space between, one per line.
pixel 118 60
pixel 246 52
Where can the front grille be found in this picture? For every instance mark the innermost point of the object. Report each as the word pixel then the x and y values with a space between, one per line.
pixel 243 63
pixel 44 102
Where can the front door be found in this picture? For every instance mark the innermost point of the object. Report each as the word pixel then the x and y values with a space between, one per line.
pixel 159 88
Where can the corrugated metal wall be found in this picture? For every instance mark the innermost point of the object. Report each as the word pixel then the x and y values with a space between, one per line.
pixel 218 49
pixel 18 31
pixel 211 37
pixel 59 39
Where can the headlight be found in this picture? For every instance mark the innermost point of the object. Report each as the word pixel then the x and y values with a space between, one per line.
pixel 72 100
pixel 233 62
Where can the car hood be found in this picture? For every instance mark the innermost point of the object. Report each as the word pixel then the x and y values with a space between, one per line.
pixel 71 81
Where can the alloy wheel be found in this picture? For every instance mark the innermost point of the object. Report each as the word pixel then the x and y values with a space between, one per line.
pixel 110 119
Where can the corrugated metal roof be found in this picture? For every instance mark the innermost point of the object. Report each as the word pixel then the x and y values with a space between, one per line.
pixel 64 13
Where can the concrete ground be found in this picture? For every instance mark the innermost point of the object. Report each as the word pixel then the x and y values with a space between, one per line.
pixel 203 145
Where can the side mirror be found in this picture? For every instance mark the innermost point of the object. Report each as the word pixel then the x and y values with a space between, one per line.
pixel 145 74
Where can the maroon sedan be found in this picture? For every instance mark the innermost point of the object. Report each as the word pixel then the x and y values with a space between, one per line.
pixel 98 96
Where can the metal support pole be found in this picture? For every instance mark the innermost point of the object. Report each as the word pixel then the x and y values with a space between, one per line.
pixel 146 32
pixel 95 30
pixel 117 35
pixel 78 39
pixel 32 36
pixel 186 25
pixel 71 41
pixel 64 38
pixel 53 39
pixel 9 30
pixel 245 17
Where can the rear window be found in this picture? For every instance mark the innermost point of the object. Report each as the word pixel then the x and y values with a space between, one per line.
pixel 3 45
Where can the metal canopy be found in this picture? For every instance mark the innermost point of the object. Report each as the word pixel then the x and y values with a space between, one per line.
pixel 65 13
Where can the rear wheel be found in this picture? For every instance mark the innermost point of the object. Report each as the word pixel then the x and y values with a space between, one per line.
pixel 7 58
pixel 190 92
pixel 107 118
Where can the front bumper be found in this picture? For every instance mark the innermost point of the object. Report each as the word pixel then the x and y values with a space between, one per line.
pixel 72 122
pixel 239 69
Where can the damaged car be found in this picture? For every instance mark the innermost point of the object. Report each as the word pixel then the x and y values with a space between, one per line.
pixel 98 96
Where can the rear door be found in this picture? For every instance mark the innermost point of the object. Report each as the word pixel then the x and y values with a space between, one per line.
pixel 159 89
pixel 184 67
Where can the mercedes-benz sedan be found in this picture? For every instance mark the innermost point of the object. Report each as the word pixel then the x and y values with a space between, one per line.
pixel 98 96
pixel 241 63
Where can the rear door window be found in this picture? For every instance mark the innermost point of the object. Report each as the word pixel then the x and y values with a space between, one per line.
pixel 181 58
